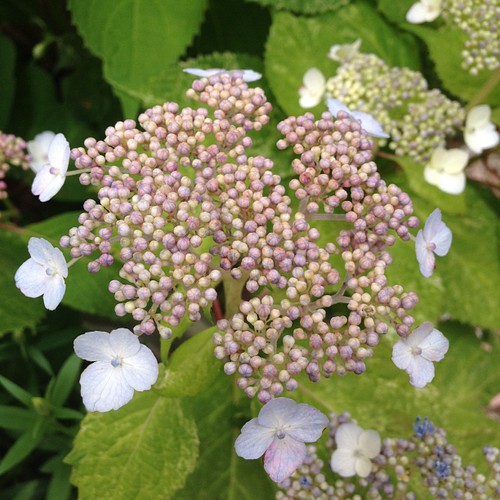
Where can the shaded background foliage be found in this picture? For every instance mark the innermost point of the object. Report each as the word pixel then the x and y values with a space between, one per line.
pixel 78 66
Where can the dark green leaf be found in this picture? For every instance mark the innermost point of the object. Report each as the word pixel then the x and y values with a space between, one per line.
pixel 18 392
pixel 65 381
pixel 7 81
pixel 15 418
pixel 19 451
pixel 309 7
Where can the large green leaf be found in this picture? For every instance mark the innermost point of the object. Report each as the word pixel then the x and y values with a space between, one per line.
pixel 220 473
pixel 296 44
pixel 87 292
pixel 304 6
pixel 471 268
pixel 146 449
pixel 16 310
pixel 138 40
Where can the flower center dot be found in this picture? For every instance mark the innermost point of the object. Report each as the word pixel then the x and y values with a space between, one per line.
pixel 116 362
pixel 280 434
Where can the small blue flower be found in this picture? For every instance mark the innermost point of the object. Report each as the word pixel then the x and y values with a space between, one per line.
pixel 305 481
pixel 442 469
pixel 423 427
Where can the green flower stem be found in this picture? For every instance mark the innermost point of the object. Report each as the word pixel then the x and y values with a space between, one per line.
pixel 165 345
pixel 232 292
pixel 485 90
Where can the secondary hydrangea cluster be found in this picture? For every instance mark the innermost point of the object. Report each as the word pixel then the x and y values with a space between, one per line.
pixel 427 453
pixel 478 19
pixel 417 118
pixel 12 153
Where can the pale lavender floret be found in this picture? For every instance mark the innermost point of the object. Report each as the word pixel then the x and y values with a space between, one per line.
pixel 121 365
pixel 417 353
pixel 43 274
pixel 279 433
pixel 435 238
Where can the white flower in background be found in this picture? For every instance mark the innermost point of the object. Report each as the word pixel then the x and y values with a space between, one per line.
pixel 417 353
pixel 355 449
pixel 38 149
pixel 446 170
pixel 43 273
pixel 368 122
pixel 50 179
pixel 435 238
pixel 342 53
pixel 121 364
pixel 248 75
pixel 424 11
pixel 279 433
pixel 313 88
pixel 480 133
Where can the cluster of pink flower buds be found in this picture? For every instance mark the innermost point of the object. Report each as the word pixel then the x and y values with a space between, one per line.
pixel 12 153
pixel 185 206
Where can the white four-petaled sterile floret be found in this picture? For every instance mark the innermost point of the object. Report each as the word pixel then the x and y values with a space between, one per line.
pixel 43 273
pixel 356 448
pixel 121 365
pixel 424 11
pixel 313 88
pixel 368 122
pixel 435 238
pixel 417 353
pixel 446 170
pixel 50 179
pixel 344 52
pixel 480 133
pixel 279 433
pixel 248 75
pixel 38 149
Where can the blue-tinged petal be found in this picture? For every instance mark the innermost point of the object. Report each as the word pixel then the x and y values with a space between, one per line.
pixel 283 458
pixel 141 370
pixel 254 440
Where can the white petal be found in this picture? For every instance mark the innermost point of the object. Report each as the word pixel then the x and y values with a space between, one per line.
pixel 344 52
pixel 46 185
pixel 433 225
pixel 478 117
pixel 314 81
pixel 454 161
pixel 343 462
pixel 347 435
pixel 421 372
pixel 41 250
pixel 425 257
pixel 370 124
pixel 452 184
pixel 479 139
pixel 249 75
pixel 54 292
pixel 308 100
pixel 431 175
pixel 419 335
pixel 370 443
pixel 442 240
pixel 94 346
pixel 283 458
pixel 103 387
pixel 141 370
pixel 423 11
pixel 59 153
pixel 31 279
pixel 38 149
pixel 306 424
pixel 437 232
pixel 362 466
pixel 204 73
pixel 401 354
pixel 124 343
pixel 334 106
pixel 434 346
pixel 254 440
pixel 277 412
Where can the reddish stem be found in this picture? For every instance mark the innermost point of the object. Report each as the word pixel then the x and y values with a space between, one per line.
pixel 217 310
